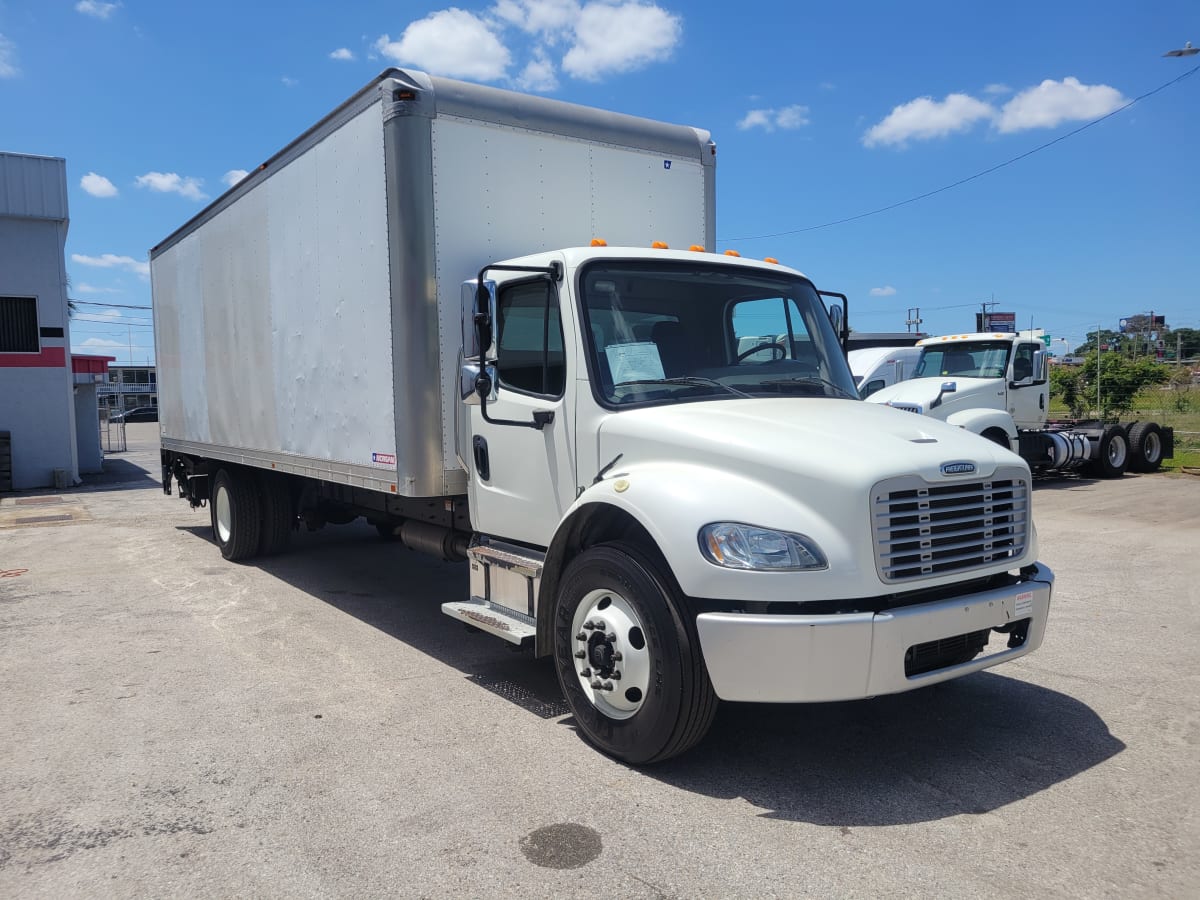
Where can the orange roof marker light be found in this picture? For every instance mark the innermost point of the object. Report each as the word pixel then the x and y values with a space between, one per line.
pixel 770 259
pixel 599 242
pixel 732 253
pixel 696 248
pixel 659 245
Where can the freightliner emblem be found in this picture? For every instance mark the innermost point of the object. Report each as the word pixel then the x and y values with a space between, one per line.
pixel 958 468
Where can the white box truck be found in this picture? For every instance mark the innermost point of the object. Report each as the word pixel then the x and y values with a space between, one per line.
pixel 403 316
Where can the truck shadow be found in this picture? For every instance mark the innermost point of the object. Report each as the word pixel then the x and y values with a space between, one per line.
pixel 969 746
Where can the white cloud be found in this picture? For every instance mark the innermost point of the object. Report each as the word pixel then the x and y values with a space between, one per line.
pixel 1054 102
pixel 996 89
pixel 8 58
pixel 450 42
pixel 288 81
pixel 552 19
pixel 342 53
pixel 926 118
pixel 233 176
pixel 827 86
pixel 886 291
pixel 170 183
pixel 538 75
pixel 98 185
pixel 788 118
pixel 112 261
pixel 96 9
pixel 620 38
pixel 84 288
pixel 95 343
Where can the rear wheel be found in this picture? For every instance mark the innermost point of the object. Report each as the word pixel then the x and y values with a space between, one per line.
pixel 236 514
pixel 278 516
pixel 628 657
pixel 1145 446
pixel 1113 455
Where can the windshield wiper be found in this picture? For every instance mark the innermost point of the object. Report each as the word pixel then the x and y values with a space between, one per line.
pixel 692 380
pixel 813 380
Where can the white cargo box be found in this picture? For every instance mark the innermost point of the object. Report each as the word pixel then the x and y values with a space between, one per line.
pixel 308 319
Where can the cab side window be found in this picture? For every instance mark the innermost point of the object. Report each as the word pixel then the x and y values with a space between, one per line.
pixel 1023 362
pixel 529 353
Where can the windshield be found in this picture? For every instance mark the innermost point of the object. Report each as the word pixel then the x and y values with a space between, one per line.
pixel 662 332
pixel 980 359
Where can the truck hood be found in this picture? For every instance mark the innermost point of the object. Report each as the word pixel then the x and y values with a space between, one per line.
pixel 810 439
pixel 987 393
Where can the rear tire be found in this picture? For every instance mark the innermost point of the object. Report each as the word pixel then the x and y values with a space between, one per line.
pixel 646 696
pixel 1113 455
pixel 1145 446
pixel 278 516
pixel 236 514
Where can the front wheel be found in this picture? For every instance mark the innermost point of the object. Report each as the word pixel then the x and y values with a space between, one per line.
pixel 628 657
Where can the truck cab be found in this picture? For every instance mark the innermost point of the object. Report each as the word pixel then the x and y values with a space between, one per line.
pixel 993 384
pixel 670 444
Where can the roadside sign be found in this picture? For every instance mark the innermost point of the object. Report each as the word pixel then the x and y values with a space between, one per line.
pixel 1001 321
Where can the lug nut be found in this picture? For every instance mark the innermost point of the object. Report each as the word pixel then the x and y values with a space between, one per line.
pixel 581 654
pixel 615 676
pixel 597 685
pixel 581 636
pixel 588 626
pixel 586 673
pixel 608 686
pixel 610 638
pixel 617 657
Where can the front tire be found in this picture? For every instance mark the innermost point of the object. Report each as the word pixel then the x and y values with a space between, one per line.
pixel 628 657
pixel 236 514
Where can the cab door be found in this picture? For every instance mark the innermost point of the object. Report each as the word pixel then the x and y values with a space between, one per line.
pixel 1027 396
pixel 522 454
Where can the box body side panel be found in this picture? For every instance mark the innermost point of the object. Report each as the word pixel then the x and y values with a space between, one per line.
pixel 275 314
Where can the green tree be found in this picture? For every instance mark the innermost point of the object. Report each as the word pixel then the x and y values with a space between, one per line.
pixel 1121 379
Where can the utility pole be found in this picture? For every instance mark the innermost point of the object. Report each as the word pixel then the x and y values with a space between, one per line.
pixel 914 318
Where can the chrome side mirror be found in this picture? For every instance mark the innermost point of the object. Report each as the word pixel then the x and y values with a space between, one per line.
pixel 471 328
pixel 948 387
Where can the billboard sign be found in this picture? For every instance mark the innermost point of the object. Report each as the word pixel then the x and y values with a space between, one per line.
pixel 1001 321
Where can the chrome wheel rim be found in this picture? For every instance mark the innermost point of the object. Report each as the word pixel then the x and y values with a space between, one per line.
pixel 1116 451
pixel 1151 447
pixel 611 654
pixel 224 516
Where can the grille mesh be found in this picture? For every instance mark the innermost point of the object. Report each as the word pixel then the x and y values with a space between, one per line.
pixel 924 530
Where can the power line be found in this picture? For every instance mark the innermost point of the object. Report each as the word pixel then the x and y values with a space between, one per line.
pixel 113 305
pixel 960 182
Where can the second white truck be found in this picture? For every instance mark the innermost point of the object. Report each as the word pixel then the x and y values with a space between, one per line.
pixel 996 386
pixel 408 315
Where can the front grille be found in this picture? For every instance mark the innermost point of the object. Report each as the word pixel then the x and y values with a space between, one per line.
pixel 906 407
pixel 923 530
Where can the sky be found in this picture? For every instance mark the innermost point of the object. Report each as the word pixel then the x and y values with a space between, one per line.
pixel 821 113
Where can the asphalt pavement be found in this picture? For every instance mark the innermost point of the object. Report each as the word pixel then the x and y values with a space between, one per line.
pixel 311 725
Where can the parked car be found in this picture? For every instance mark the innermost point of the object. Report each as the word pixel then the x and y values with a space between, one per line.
pixel 139 414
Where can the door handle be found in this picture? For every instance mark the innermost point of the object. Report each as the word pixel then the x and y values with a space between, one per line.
pixel 479 450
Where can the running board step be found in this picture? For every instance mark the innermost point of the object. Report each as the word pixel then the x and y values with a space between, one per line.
pixel 513 627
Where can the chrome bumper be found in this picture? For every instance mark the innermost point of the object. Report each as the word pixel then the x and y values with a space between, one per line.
pixel 808 659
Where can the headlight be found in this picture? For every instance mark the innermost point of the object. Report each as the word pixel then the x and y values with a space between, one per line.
pixel 736 546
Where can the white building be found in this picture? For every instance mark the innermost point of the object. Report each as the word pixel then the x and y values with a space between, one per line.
pixel 37 385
